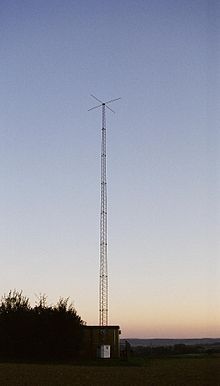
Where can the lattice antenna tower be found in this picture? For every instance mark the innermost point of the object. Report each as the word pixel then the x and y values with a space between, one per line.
pixel 103 268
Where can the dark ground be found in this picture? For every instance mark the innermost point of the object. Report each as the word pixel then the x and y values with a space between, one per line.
pixel 191 371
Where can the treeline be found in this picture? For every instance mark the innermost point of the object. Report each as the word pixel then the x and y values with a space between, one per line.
pixel 177 349
pixel 42 332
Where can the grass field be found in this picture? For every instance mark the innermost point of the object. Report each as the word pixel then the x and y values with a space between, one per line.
pixel 152 372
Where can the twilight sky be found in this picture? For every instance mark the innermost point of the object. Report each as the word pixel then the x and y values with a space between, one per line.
pixel 163 58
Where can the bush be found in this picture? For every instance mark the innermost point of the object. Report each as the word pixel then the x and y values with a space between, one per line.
pixel 40 332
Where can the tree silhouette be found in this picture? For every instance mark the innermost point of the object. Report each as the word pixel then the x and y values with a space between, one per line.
pixel 41 332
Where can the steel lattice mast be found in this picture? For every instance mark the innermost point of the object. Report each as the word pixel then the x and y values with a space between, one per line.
pixel 103 270
pixel 103 274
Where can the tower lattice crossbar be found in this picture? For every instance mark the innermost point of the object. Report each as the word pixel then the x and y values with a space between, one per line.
pixel 103 268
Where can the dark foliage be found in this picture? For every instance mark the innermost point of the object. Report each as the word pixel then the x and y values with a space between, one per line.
pixel 175 350
pixel 40 332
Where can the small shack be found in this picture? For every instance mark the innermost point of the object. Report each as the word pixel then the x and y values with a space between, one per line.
pixel 101 342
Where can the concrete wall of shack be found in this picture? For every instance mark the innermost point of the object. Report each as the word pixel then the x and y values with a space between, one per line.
pixel 95 336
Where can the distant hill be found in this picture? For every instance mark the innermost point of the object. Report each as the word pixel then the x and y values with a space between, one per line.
pixel 170 342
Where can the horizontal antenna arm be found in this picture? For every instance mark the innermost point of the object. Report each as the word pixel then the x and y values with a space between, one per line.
pixel 95 107
pixel 113 100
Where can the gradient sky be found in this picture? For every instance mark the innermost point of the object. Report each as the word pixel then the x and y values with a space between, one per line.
pixel 163 59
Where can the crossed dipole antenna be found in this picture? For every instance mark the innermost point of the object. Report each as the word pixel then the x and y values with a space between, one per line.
pixel 103 269
pixel 103 103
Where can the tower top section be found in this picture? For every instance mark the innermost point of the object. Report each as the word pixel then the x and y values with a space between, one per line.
pixel 103 103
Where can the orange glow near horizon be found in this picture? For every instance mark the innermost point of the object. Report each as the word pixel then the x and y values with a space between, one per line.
pixel 165 331
pixel 160 329
pixel 171 322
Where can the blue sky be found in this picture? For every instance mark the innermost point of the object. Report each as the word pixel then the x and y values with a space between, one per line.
pixel 162 58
